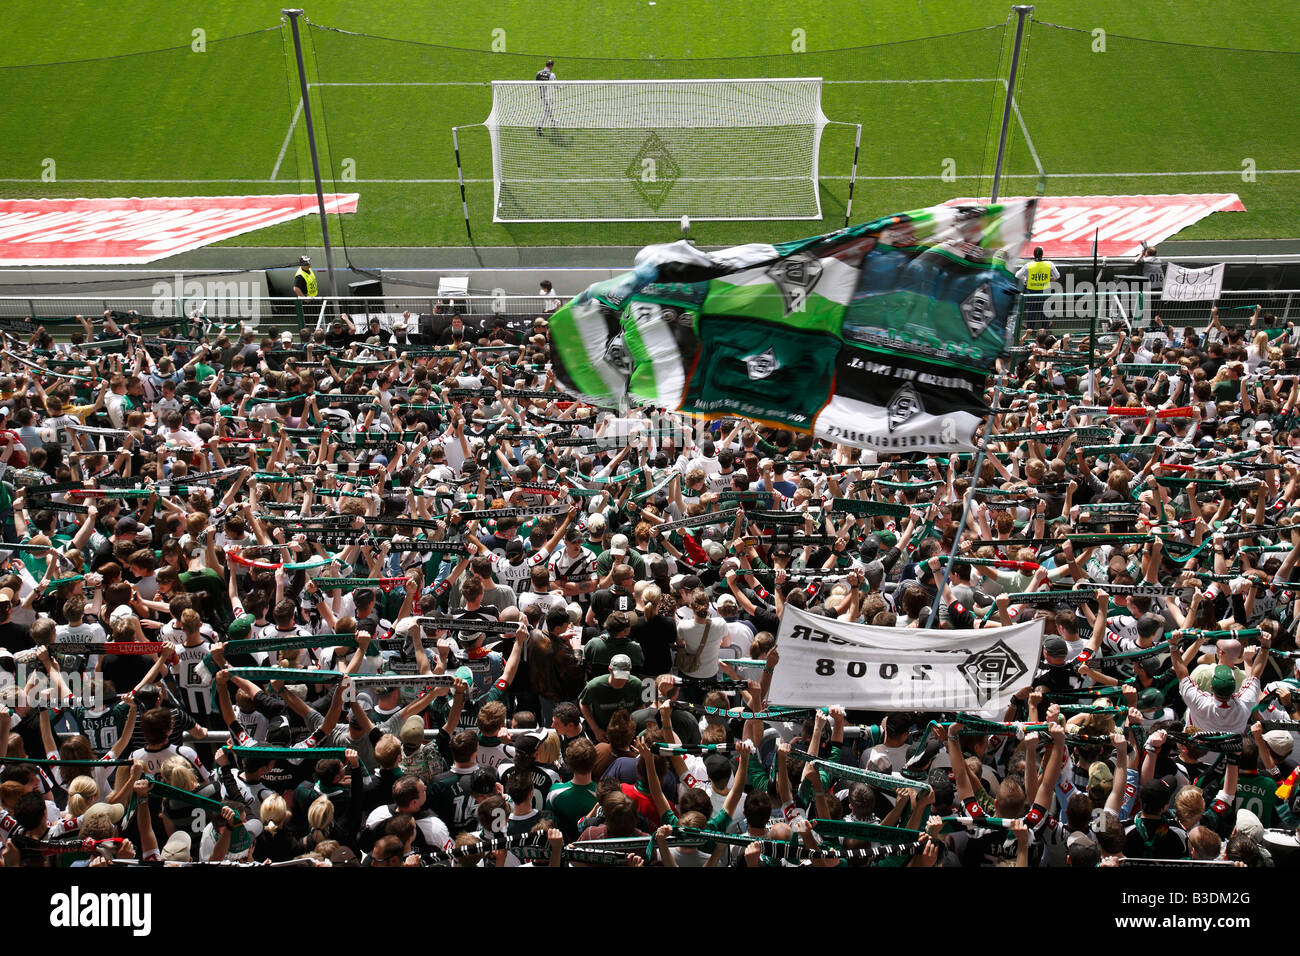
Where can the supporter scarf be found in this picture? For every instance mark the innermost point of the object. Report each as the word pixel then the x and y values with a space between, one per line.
pixel 290 753
pixel 770 713
pixel 384 584
pixel 67 763
pixel 290 643
pixel 858 506
pixel 159 789
pixel 696 521
pixel 1217 743
pixel 865 831
pixel 444 623
pixel 846 772
pixel 495 513
pixel 126 648
pixel 290 675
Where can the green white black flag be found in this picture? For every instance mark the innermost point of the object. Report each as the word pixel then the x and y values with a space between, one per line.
pixel 879 336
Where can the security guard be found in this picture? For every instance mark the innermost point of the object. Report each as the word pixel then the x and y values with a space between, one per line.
pixel 1036 276
pixel 304 280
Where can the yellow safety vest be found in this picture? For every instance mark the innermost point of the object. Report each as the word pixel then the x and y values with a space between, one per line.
pixel 310 278
pixel 1040 273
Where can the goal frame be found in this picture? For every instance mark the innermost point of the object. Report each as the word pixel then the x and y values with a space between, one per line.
pixel 822 122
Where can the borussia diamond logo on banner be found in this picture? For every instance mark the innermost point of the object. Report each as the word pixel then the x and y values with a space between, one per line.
pixel 904 405
pixel 616 354
pixel 992 670
pixel 796 277
pixel 653 171
pixel 977 309
pixel 762 365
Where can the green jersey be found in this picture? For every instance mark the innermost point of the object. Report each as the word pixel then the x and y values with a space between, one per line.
pixel 570 802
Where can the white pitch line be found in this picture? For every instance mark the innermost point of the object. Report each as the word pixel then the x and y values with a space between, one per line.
pixel 990 79
pixel 288 137
pixel 1015 108
pixel 281 182
pixel 1024 130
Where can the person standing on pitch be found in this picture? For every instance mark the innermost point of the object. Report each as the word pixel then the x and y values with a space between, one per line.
pixel 1036 275
pixel 546 76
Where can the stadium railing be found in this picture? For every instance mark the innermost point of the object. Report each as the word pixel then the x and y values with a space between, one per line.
pixel 1068 311
pixel 1073 311
pixel 269 314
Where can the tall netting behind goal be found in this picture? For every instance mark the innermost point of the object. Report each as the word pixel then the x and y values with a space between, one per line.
pixel 643 150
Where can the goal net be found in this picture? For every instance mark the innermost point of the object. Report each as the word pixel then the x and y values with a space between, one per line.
pixel 646 150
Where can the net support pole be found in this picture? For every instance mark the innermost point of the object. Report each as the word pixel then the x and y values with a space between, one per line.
pixel 293 16
pixel 1023 12
pixel 853 175
pixel 460 178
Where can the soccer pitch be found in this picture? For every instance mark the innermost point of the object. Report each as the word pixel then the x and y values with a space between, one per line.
pixel 1097 112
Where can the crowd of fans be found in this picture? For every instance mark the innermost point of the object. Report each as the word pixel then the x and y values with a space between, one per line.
pixel 509 633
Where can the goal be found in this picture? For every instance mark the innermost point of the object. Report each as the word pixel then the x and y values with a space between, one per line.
pixel 655 150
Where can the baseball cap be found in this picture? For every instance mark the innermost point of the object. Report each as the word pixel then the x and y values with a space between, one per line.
pixel 412 731
pixel 527 743
pixel 573 534
pixel 1151 698
pixel 343 856
pixel 887 538
pixel 379 460
pixel 1100 775
pixel 1280 742
pixel 483 782
pixel 6 596
pixel 240 627
pixel 620 665
pixel 727 603
pixel 304 259
pixel 618 545
pixel 286 336
pixel 177 848
pixel 105 814
pixel 1224 682
pixel 465 674
pixel 514 547
pixel 1054 646
pixel 126 526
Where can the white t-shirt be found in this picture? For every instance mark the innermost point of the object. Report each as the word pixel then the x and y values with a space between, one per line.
pixel 692 633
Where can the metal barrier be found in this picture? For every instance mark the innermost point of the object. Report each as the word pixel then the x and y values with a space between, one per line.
pixel 1072 308
pixel 265 313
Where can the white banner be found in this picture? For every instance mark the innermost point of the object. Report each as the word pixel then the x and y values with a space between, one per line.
pixel 825 662
pixel 1192 285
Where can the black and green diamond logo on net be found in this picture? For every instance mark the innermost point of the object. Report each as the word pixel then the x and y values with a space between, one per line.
pixel 992 670
pixel 653 171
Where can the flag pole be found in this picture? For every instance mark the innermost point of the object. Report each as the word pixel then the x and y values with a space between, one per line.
pixel 1092 321
pixel 970 497
pixel 1023 11
pixel 853 176
pixel 460 176
pixel 293 16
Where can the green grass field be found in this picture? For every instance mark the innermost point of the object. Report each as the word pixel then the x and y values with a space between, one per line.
pixel 1138 117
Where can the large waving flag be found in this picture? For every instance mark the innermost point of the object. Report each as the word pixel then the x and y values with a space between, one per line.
pixel 878 336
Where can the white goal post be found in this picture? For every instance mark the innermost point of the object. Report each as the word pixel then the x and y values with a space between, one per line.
pixel 655 150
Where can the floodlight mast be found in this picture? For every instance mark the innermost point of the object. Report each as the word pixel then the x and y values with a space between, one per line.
pixel 293 15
